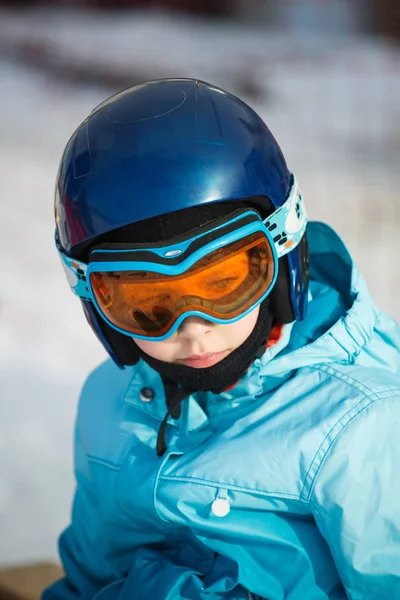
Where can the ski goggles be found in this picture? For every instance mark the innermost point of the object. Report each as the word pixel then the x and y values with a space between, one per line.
pixel 219 272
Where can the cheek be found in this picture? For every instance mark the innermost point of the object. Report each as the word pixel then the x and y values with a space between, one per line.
pixel 241 330
pixel 158 350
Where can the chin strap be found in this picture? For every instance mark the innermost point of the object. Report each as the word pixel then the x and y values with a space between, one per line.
pixel 174 395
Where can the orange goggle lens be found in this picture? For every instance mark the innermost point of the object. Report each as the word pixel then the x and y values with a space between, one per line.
pixel 223 285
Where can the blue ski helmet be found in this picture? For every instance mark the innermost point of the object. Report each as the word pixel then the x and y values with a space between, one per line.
pixel 163 146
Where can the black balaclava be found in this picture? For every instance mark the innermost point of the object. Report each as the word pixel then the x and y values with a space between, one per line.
pixel 229 370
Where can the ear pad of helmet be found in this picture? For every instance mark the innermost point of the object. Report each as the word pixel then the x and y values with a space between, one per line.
pixel 282 295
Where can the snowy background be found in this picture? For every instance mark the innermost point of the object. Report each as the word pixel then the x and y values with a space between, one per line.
pixel 332 101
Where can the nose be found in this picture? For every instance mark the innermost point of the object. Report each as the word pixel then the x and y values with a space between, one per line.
pixel 192 328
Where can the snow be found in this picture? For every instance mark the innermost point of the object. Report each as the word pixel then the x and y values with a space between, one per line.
pixel 333 104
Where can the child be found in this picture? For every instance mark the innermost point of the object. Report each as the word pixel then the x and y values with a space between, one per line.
pixel 243 442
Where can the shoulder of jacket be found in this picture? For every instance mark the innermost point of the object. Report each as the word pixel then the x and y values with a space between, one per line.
pixel 362 455
pixel 372 381
pixel 103 381
pixel 101 409
pixel 363 398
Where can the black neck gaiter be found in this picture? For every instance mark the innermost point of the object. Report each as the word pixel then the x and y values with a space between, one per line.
pixel 229 370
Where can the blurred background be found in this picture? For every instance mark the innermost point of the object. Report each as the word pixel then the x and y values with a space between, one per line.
pixel 324 75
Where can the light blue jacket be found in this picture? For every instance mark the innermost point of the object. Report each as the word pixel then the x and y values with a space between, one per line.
pixel 285 487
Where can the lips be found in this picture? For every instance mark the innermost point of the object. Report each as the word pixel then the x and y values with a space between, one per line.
pixel 200 361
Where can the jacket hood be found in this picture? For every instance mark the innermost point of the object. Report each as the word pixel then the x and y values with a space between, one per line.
pixel 340 319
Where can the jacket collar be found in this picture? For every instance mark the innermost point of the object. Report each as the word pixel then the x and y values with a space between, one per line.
pixel 194 416
pixel 143 376
pixel 341 317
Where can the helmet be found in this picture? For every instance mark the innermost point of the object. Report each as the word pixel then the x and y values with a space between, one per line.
pixel 164 146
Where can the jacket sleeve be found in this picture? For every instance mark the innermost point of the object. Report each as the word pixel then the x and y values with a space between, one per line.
pixel 356 501
pixel 96 570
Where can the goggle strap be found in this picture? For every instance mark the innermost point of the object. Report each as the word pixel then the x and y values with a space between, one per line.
pixel 287 223
pixel 75 271
pixel 286 226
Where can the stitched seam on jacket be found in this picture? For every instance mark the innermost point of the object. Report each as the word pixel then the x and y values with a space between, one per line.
pixel 112 467
pixel 330 333
pixel 103 462
pixel 155 487
pixel 370 397
pixel 315 508
pixel 330 370
pixel 392 393
pixel 227 486
pixel 343 418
